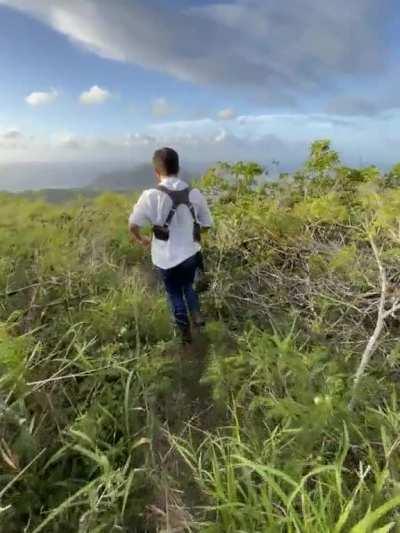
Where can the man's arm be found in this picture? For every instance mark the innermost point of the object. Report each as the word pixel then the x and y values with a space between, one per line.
pixel 140 216
pixel 204 214
pixel 137 236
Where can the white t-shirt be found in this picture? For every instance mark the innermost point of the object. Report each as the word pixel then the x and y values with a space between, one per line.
pixel 153 207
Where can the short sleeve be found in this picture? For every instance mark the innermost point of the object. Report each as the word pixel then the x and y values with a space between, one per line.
pixel 203 212
pixel 141 213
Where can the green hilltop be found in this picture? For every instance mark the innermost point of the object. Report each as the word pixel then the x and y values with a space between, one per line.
pixel 285 415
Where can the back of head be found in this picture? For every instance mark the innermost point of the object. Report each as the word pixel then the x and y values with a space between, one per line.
pixel 166 162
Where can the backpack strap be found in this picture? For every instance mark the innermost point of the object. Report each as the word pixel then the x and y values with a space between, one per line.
pixel 178 198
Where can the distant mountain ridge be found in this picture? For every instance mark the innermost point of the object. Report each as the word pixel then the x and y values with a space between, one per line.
pixel 112 176
pixel 16 177
pixel 124 179
pixel 140 177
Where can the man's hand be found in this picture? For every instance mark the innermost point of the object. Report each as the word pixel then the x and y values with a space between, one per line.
pixel 145 241
pixel 137 237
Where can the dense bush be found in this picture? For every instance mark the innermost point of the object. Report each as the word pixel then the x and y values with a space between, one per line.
pixel 285 416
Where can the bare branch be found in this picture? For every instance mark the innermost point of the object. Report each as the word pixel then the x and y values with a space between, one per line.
pixel 392 311
pixel 380 323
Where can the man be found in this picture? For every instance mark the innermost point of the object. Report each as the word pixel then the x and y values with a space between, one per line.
pixel 177 214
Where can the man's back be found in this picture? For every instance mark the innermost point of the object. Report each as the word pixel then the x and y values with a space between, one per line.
pixel 153 208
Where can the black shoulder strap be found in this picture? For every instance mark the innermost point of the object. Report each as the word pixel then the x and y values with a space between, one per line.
pixel 178 198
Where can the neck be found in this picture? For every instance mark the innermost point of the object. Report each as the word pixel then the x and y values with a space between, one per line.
pixel 167 177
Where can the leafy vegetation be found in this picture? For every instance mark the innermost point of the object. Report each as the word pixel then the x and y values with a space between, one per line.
pixel 285 416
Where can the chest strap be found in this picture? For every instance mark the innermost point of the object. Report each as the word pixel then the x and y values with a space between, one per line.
pixel 178 198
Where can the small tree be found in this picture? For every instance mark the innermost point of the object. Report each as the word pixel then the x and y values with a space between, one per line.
pixel 245 175
pixel 319 168
pixel 392 178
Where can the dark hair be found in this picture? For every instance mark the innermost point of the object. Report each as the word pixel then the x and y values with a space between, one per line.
pixel 166 161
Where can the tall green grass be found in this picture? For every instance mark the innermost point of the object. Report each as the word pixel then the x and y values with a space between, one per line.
pixel 107 425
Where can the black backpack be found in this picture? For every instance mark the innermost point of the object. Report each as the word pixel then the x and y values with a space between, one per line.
pixel 178 198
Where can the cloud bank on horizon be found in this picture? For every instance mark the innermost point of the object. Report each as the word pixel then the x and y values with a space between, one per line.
pixel 218 79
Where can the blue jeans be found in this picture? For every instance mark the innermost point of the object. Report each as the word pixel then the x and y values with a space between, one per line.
pixel 182 297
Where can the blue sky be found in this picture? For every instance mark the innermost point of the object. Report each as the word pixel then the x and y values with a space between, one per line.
pixel 89 80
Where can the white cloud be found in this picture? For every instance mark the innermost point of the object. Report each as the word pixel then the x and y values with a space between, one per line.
pixel 39 98
pixel 139 139
pixel 161 108
pixel 193 131
pixel 264 137
pixel 12 139
pixel 68 140
pixel 95 95
pixel 239 44
pixel 226 114
pixel 221 137
pixel 11 135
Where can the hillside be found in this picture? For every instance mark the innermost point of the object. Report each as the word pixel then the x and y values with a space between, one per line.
pixel 58 196
pixel 284 416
